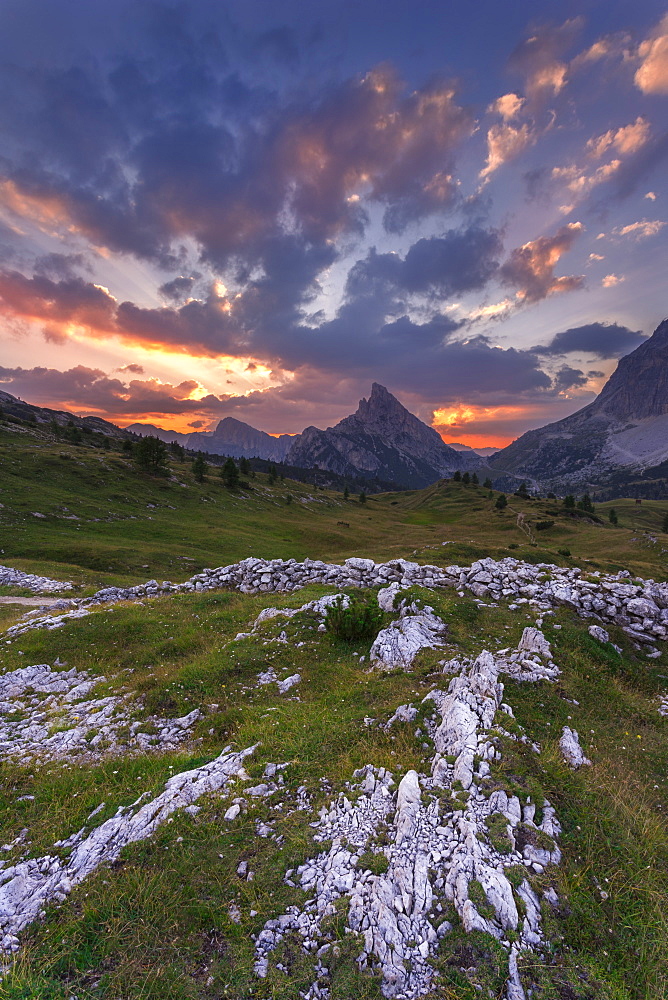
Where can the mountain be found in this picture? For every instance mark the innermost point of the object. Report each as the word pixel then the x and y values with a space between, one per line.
pixel 382 439
pixel 619 440
pixel 150 430
pixel 484 452
pixel 234 437
pixel 12 406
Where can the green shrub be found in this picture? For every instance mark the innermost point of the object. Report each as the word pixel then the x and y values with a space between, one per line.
pixel 361 619
pixel 543 525
pixel 564 552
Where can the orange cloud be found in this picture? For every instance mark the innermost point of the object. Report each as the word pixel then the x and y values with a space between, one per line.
pixel 652 75
pixel 531 267
pixel 479 426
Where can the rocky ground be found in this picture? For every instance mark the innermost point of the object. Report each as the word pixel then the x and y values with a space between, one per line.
pixel 405 858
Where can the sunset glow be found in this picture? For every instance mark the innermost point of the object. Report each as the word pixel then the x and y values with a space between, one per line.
pixel 481 223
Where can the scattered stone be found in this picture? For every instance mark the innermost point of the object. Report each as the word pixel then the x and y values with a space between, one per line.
pixel 38 584
pixel 569 745
pixel 289 682
pixel 52 714
pixel 598 633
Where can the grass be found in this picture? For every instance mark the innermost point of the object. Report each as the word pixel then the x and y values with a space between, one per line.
pixel 105 523
pixel 172 917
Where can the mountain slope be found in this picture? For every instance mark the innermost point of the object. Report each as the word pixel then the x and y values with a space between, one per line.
pixel 623 434
pixel 381 439
pixel 150 430
pixel 236 438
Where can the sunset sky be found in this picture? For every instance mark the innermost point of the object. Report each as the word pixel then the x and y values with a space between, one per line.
pixel 255 209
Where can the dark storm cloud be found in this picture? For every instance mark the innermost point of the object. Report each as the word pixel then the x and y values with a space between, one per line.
pixel 166 141
pixel 177 289
pixel 61 265
pixel 459 261
pixel 83 387
pixel 569 378
pixel 603 340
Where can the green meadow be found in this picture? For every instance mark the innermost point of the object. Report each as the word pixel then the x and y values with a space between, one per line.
pixel 173 918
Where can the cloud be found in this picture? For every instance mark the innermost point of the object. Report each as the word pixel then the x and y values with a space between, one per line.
pixel 651 195
pixel 652 75
pixel 134 369
pixel 530 268
pixel 506 142
pixel 508 106
pixel 603 340
pixel 70 301
pixel 61 265
pixel 177 289
pixel 460 260
pixel 91 390
pixel 610 280
pixel 138 182
pixel 539 59
pixel 569 378
pixel 625 140
pixel 640 230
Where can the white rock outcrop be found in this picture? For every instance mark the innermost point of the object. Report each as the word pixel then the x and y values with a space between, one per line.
pixel 639 606
pixel 446 841
pixel 396 646
pixel 27 887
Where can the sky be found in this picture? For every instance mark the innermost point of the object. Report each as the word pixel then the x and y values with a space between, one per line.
pixel 256 210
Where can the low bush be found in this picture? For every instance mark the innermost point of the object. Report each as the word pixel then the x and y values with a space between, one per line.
pixel 360 619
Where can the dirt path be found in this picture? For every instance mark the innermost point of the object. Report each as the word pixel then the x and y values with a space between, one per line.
pixel 32 602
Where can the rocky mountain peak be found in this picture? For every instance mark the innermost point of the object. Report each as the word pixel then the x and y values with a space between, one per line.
pixel 638 387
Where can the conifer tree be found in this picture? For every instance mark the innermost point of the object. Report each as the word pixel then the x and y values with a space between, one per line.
pixel 200 468
pixel 230 474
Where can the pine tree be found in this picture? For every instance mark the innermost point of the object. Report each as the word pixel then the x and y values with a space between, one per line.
pixel 346 493
pixel 466 479
pixel 569 502
pixel 522 491
pixel 362 497
pixel 244 466
pixel 150 454
pixel 613 519
pixel 501 502
pixel 457 476
pixel 664 526
pixel 487 484
pixel 273 475
pixel 230 474
pixel 474 479
pixel 200 469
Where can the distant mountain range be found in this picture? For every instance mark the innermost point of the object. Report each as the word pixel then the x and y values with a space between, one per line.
pixel 614 446
pixel 381 441
pixel 617 444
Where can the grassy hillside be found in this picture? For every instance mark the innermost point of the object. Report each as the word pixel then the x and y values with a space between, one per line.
pixel 174 917
pixel 104 522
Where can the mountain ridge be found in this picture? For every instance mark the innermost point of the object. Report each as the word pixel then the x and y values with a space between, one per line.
pixel 623 431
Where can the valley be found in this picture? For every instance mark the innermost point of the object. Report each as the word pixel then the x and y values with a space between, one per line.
pixel 282 772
